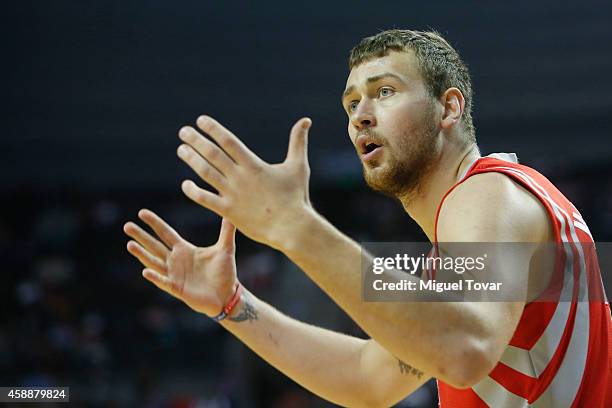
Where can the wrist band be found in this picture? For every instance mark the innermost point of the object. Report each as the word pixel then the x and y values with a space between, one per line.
pixel 230 305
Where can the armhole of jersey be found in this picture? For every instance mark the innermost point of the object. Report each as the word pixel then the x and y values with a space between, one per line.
pixel 472 172
pixel 550 213
pixel 467 175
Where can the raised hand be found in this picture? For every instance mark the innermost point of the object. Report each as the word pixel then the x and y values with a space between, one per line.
pixel 203 278
pixel 263 200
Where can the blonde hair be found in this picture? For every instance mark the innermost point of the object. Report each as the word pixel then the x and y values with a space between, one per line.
pixel 440 64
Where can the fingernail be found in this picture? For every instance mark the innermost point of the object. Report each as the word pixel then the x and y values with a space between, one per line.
pixel 203 120
pixel 183 132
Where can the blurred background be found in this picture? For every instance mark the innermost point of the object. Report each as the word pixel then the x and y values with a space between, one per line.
pixel 94 95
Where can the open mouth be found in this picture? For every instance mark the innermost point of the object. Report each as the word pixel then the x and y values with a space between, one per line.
pixel 370 147
pixel 370 151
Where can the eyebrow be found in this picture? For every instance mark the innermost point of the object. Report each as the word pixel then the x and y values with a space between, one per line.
pixel 371 80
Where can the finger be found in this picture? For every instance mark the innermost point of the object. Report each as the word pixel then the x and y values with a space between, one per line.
pixel 227 236
pixel 146 258
pixel 298 141
pixel 207 149
pixel 203 197
pixel 202 168
pixel 168 235
pixel 146 240
pixel 161 281
pixel 227 141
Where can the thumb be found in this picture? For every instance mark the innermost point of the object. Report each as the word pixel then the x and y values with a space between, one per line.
pixel 227 236
pixel 298 141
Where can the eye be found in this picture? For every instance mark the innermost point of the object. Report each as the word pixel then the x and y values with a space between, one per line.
pixel 352 105
pixel 384 92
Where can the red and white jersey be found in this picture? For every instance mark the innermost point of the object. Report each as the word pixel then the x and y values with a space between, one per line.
pixel 561 352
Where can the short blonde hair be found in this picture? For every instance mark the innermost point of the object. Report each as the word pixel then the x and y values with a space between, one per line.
pixel 440 64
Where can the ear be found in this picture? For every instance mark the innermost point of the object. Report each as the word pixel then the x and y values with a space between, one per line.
pixel 453 102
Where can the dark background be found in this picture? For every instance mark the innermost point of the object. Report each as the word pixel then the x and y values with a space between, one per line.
pixel 94 94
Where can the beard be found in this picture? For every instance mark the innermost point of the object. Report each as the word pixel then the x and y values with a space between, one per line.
pixel 407 162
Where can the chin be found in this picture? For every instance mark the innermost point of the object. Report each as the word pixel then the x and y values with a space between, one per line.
pixel 373 174
pixel 394 181
pixel 378 180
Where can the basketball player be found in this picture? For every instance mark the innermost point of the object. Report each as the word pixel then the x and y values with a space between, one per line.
pixel 408 99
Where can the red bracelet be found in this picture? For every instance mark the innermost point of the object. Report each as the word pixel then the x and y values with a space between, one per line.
pixel 230 305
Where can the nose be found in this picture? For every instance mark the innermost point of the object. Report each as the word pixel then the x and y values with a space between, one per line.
pixel 363 117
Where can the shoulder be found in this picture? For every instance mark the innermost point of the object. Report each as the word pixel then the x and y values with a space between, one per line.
pixel 491 207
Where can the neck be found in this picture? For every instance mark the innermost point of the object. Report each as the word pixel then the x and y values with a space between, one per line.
pixel 423 204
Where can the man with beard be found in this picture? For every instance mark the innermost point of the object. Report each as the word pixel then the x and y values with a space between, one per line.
pixel 408 99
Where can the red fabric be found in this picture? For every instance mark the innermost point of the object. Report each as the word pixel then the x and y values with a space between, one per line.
pixel 596 386
pixel 450 397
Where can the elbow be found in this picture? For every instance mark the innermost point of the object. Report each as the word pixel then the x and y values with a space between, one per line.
pixel 468 365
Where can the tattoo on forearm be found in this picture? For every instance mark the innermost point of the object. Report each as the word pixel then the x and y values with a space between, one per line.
pixel 248 312
pixel 408 369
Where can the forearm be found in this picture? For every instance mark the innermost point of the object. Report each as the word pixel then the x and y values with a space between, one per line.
pixel 327 363
pixel 424 334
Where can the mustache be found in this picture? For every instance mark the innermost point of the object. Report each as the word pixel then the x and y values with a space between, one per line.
pixel 372 135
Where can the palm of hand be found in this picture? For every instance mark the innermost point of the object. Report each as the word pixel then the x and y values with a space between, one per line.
pixel 203 278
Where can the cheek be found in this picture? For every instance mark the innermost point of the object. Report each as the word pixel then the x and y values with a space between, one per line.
pixel 399 116
pixel 351 132
pixel 398 130
pixel 410 117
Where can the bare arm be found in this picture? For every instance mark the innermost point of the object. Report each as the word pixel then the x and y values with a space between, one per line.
pixel 346 370
pixel 458 343
pixel 343 369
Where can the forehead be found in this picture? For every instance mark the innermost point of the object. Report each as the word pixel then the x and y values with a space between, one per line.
pixel 401 63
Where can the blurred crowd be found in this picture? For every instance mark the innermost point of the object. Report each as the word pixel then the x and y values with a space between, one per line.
pixel 77 313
